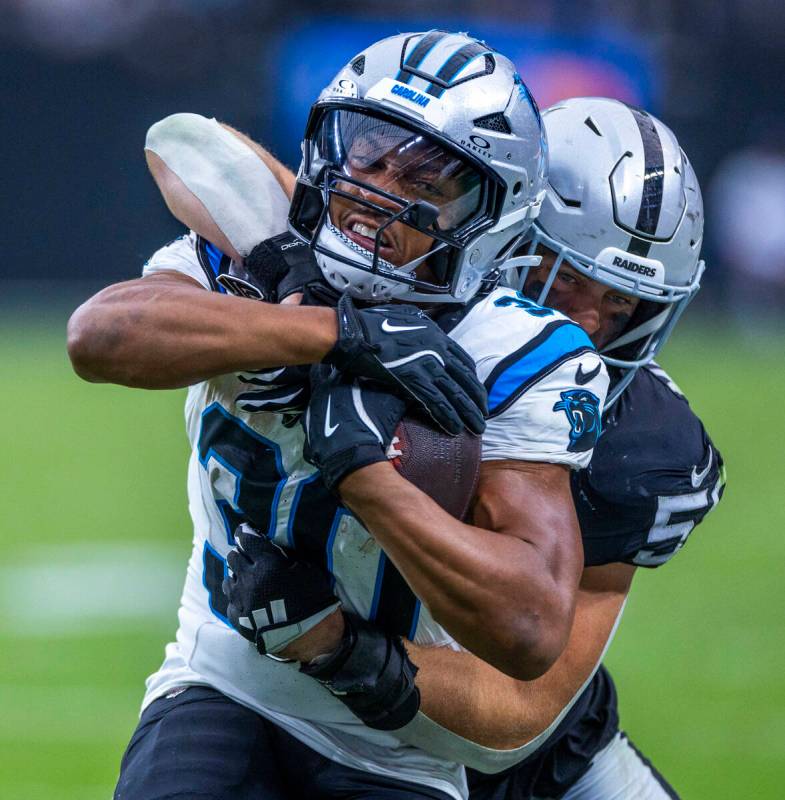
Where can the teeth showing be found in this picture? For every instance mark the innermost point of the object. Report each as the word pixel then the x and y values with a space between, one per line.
pixel 364 230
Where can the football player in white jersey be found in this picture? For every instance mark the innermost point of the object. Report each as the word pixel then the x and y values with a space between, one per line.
pixel 624 264
pixel 414 186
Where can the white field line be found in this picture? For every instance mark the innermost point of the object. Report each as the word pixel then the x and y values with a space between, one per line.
pixel 71 590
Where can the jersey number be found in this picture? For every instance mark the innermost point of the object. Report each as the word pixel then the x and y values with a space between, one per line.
pixel 676 516
pixel 252 474
pixel 521 301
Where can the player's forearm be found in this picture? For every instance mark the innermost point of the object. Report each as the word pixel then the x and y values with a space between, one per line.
pixel 186 206
pixel 472 699
pixel 493 592
pixel 218 182
pixel 165 332
pixel 283 174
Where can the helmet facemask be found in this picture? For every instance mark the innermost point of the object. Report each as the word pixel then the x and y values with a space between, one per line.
pixel 388 208
pixel 651 323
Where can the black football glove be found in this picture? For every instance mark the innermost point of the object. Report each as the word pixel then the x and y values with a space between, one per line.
pixel 371 673
pixel 398 345
pixel 348 423
pixel 273 598
pixel 284 265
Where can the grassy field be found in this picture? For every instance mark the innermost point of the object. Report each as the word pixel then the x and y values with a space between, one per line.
pixel 95 535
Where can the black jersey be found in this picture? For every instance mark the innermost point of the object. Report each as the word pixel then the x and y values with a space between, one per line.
pixel 654 476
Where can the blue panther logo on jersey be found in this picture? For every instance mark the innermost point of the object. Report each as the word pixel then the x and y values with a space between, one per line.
pixel 583 411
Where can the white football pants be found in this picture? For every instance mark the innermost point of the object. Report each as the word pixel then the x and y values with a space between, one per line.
pixel 620 772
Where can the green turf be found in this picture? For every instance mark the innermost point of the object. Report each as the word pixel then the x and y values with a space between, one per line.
pixel 698 659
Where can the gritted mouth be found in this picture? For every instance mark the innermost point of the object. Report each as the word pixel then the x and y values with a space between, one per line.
pixel 361 245
pixel 364 231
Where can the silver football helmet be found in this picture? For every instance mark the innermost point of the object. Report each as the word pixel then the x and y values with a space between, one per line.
pixel 622 206
pixel 424 162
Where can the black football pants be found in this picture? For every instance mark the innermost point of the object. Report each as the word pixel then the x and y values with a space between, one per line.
pixel 200 745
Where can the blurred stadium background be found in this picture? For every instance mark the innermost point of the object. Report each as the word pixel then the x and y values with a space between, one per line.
pixel 94 529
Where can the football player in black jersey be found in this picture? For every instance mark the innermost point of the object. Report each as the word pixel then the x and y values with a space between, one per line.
pixel 620 234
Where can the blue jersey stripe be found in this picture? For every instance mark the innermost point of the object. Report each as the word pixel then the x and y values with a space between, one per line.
pixel 215 256
pixel 211 259
pixel 561 341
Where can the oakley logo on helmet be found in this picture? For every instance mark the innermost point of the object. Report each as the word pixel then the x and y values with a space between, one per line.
pixel 410 94
pixel 345 87
pixel 632 266
pixel 477 145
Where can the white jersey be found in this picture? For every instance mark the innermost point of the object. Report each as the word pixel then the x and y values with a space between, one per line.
pixel 546 388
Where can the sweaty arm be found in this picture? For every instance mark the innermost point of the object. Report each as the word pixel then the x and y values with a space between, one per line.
pixel 165 331
pixel 477 702
pixel 505 586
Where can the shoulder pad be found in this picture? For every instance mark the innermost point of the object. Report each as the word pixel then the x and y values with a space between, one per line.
pixel 515 343
pixel 654 476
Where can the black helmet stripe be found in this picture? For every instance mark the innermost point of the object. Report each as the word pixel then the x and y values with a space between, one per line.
pixel 454 64
pixel 639 247
pixel 653 176
pixel 417 56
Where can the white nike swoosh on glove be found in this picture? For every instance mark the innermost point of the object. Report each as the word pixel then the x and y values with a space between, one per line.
pixel 388 328
pixel 421 354
pixel 329 430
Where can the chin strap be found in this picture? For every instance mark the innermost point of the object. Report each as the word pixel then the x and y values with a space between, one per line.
pixel 639 331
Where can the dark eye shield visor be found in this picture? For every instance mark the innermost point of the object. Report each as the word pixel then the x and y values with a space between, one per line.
pixel 404 164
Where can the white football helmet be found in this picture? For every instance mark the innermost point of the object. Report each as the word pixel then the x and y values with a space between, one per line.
pixel 622 206
pixel 434 131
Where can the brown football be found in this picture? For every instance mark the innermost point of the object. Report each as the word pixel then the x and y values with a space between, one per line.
pixel 445 467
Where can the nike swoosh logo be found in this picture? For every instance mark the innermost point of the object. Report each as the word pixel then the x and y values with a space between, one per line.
pixel 582 378
pixel 388 328
pixel 697 478
pixel 329 430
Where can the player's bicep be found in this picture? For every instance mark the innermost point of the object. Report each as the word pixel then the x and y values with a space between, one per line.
pixel 172 278
pixel 532 501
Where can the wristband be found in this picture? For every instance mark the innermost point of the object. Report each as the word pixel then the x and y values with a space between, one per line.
pixel 372 674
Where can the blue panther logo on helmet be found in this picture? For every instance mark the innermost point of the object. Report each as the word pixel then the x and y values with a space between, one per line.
pixel 583 411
